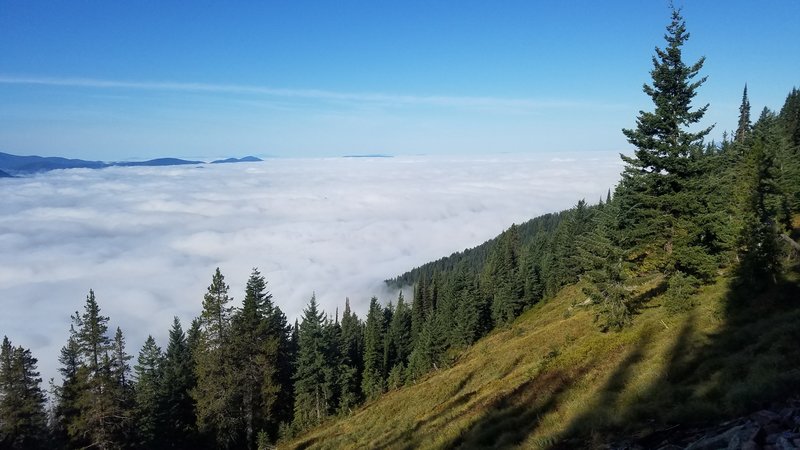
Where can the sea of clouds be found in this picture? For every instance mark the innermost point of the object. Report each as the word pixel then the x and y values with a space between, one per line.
pixel 147 239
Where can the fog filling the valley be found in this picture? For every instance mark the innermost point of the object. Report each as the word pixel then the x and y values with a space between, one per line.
pixel 147 240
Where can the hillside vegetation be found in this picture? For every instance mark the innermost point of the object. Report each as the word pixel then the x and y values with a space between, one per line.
pixel 552 379
pixel 673 301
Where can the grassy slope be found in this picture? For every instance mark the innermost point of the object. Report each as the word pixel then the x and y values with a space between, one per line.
pixel 552 379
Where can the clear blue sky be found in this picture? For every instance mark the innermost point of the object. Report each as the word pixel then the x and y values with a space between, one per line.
pixel 116 80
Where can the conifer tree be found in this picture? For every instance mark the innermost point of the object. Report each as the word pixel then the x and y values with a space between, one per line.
pixel 310 404
pixel 104 415
pixel 372 382
pixel 283 406
pixel 67 395
pixel 179 428
pixel 332 341
pixel 658 189
pixel 149 381
pixel 501 278
pixel 766 210
pixel 214 393
pixel 743 129
pixel 602 254
pixel 420 308
pixel 254 350
pixel 351 363
pixel 428 349
pixel 400 332
pixel 23 423
pixel 469 317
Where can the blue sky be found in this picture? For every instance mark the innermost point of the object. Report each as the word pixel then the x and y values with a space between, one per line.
pixel 119 80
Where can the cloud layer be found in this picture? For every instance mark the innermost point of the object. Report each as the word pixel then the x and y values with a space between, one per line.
pixel 147 240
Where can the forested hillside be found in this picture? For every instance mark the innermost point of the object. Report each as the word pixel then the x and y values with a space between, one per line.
pixel 673 299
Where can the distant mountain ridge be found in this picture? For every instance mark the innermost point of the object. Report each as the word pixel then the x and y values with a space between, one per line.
pixel 235 160
pixel 11 165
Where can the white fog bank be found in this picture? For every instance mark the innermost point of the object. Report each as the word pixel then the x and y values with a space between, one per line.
pixel 147 240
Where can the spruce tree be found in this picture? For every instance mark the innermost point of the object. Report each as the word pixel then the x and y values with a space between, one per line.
pixel 104 414
pixel 501 278
pixel 23 423
pixel 67 409
pixel 351 362
pixel 310 404
pixel 400 332
pixel 149 381
pixel 372 382
pixel 214 392
pixel 766 211
pixel 254 350
pixel 658 187
pixel 602 253
pixel 178 380
pixel 744 126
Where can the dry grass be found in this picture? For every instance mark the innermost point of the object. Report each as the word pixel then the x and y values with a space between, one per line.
pixel 552 379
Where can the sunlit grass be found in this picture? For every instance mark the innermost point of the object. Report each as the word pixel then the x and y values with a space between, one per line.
pixel 552 378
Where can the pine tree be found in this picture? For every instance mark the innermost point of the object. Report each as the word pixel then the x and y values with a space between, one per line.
pixel 121 387
pixel 149 381
pixel 214 393
pixel 282 408
pixel 428 349
pixel 467 325
pixel 602 254
pixel 351 363
pixel 178 380
pixel 744 127
pixel 23 422
pixel 501 278
pixel 254 348
pixel 310 404
pixel 766 210
pixel 332 341
pixel 67 409
pixel 658 190
pixel 372 382
pixel 789 118
pixel 400 332
pixel 103 413
pixel 788 156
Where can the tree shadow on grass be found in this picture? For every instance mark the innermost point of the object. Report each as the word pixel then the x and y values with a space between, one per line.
pixel 510 417
pixel 751 362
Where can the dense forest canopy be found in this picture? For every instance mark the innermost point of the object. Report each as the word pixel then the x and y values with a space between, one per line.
pixel 241 376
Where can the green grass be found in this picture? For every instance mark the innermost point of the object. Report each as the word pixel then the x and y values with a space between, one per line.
pixel 552 379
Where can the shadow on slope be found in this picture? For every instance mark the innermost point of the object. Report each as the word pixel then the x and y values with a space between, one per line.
pixel 750 361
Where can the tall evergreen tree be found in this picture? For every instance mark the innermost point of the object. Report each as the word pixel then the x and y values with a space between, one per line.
pixel 372 382
pixel 658 187
pixel 351 362
pixel 766 210
pixel 149 380
pixel 283 407
pixel 67 409
pixel 310 404
pixel 178 380
pixel 103 412
pixel 744 126
pixel 254 351
pixel 23 423
pixel 399 333
pixel 214 393
pixel 501 278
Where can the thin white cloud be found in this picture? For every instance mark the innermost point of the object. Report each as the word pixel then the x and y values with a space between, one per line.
pixel 365 98
pixel 148 239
